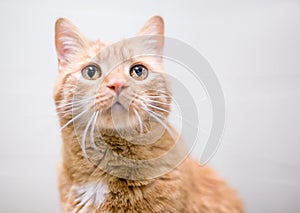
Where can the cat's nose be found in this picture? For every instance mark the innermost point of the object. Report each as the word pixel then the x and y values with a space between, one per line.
pixel 117 85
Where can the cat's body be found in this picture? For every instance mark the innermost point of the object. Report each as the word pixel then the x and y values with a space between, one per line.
pixel 109 178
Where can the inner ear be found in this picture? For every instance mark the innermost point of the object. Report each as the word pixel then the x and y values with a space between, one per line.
pixel 69 41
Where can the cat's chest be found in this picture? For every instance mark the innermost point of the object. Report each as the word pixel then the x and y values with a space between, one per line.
pixel 89 196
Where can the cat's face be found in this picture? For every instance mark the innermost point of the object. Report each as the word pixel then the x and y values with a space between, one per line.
pixel 111 86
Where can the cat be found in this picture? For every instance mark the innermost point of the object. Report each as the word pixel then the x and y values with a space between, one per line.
pixel 113 109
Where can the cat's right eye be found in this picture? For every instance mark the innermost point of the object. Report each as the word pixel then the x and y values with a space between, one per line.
pixel 91 72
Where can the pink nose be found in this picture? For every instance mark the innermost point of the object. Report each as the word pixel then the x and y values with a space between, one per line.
pixel 117 85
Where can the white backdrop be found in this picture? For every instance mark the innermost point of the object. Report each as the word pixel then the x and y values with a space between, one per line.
pixel 253 46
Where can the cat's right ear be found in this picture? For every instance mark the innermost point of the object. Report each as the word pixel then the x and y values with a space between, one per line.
pixel 69 41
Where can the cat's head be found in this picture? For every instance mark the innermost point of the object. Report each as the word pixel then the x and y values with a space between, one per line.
pixel 111 86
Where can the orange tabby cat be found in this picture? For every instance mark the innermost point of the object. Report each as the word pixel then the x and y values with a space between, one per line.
pixel 111 102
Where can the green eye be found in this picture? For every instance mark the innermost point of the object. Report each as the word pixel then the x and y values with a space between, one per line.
pixel 91 72
pixel 139 72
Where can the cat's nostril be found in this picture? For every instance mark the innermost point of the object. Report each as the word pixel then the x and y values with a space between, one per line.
pixel 117 86
pixel 111 87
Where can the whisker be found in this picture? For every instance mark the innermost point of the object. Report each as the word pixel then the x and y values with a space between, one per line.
pixel 84 134
pixel 75 103
pixel 159 108
pixel 70 106
pixel 158 102
pixel 92 138
pixel 155 116
pixel 65 100
pixel 140 121
pixel 157 90
pixel 164 110
pixel 75 99
pixel 70 110
pixel 157 96
pixel 176 115
pixel 75 118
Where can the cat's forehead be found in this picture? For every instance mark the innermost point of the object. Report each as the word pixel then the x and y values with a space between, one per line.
pixel 124 51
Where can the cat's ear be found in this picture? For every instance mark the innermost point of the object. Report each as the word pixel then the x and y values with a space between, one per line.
pixel 153 26
pixel 69 41
pixel 154 30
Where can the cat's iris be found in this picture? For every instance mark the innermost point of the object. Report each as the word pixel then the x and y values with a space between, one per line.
pixel 91 72
pixel 138 72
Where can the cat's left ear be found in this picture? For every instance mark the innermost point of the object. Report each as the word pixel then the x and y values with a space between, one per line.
pixel 154 30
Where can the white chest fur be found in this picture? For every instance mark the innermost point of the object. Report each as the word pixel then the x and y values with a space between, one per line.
pixel 89 195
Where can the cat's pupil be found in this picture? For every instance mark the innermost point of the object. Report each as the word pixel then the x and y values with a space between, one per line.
pixel 138 70
pixel 91 71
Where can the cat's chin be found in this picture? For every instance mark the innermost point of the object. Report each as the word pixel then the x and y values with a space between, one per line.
pixel 117 118
pixel 117 108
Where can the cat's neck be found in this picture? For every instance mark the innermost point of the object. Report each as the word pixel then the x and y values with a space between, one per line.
pixel 114 156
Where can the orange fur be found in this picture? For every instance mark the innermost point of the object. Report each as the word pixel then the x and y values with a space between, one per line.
pixel 186 188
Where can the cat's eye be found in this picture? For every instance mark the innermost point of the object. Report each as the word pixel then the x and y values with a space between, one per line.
pixel 139 72
pixel 91 72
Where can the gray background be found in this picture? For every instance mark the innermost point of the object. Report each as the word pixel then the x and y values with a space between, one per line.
pixel 253 46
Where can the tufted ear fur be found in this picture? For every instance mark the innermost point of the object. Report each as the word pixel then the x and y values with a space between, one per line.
pixel 154 30
pixel 69 41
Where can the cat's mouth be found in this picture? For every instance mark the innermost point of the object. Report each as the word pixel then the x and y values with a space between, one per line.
pixel 117 106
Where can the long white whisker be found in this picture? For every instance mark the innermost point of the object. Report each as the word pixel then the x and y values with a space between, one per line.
pixel 68 105
pixel 140 121
pixel 162 91
pixel 157 90
pixel 75 118
pixel 77 99
pixel 155 116
pixel 158 102
pixel 159 108
pixel 75 103
pixel 157 96
pixel 176 115
pixel 92 138
pixel 83 142
pixel 70 110
pixel 164 110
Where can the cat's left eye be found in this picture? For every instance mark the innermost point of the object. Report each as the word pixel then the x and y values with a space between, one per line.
pixel 91 72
